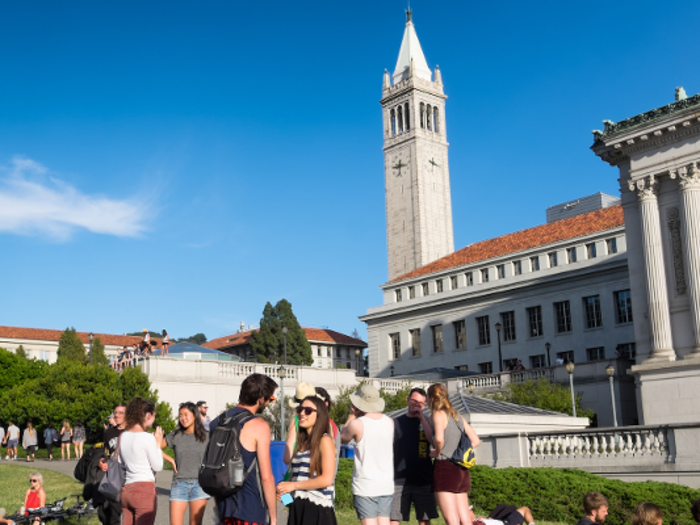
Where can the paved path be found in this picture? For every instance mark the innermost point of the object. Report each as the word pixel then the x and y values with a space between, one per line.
pixel 163 482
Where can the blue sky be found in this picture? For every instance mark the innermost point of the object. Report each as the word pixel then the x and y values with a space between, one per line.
pixel 178 164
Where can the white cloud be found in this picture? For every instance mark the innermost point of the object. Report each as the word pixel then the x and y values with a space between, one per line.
pixel 32 203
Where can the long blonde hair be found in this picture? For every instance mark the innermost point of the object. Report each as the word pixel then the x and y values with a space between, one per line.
pixel 30 428
pixel 439 400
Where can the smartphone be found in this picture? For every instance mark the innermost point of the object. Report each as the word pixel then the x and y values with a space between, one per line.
pixel 286 499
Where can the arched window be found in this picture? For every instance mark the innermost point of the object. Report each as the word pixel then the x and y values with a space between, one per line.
pixel 429 115
pixel 422 115
pixel 436 123
pixel 393 123
pixel 399 113
pixel 408 120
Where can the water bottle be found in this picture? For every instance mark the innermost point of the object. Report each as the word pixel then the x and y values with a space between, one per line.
pixel 21 510
pixel 236 471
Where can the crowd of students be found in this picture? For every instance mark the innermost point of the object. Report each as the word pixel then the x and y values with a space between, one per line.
pixel 67 436
pixel 129 356
pixel 399 463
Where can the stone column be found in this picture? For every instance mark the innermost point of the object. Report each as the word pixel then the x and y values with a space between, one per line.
pixel 655 278
pixel 689 181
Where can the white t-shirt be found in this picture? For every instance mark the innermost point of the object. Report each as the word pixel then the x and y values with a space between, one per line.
pixel 141 456
pixel 2 433
pixel 13 432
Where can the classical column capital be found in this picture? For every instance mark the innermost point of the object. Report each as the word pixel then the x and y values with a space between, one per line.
pixel 646 187
pixel 688 175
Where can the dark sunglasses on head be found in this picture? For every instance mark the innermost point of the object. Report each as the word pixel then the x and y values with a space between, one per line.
pixel 306 410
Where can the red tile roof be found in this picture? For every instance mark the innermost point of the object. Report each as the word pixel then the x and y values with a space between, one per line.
pixel 42 334
pixel 312 334
pixel 571 228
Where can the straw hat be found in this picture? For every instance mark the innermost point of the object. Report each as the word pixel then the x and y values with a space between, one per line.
pixel 367 399
pixel 303 390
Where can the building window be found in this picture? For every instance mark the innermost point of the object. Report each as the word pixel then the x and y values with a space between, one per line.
pixel 416 349
pixel 611 245
pixel 535 264
pixel 517 267
pixel 591 250
pixel 563 312
pixel 44 355
pixel 627 350
pixel 411 292
pixel 453 282
pixel 534 316
pixel 623 307
pixel 565 357
pixel 395 340
pixel 439 286
pixel 595 354
pixel 537 361
pixel 460 328
pixel 339 353
pixel 553 260
pixel 482 326
pixel 398 295
pixel 486 368
pixel 437 338
pixel 426 289
pixel 571 255
pixel 470 278
pixel 485 275
pixel 501 271
pixel 508 320
pixel 594 317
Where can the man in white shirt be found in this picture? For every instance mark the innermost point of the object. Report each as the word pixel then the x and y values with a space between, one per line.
pixel 12 438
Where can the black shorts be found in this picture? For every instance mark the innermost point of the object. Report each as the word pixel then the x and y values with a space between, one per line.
pixel 422 497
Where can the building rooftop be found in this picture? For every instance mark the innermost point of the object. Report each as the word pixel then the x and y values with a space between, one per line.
pixel 313 335
pixel 43 334
pixel 611 128
pixel 482 405
pixel 571 228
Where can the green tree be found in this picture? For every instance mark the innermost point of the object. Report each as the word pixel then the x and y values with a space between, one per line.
pixel 70 347
pixel 20 351
pixel 15 370
pixel 542 394
pixel 197 339
pixel 98 353
pixel 272 416
pixel 268 341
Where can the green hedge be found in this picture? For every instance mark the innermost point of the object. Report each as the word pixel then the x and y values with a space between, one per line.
pixel 556 494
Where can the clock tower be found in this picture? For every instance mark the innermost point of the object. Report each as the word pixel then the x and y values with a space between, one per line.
pixel 416 174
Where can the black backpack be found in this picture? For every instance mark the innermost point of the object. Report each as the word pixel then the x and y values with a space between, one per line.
pixel 81 469
pixel 221 473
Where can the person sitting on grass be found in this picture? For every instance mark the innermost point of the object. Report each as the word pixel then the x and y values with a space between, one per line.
pixel 35 497
pixel 504 515
pixel 648 514
pixel 595 507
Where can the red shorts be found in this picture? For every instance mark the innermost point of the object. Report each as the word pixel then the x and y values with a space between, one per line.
pixel 450 478
pixel 236 521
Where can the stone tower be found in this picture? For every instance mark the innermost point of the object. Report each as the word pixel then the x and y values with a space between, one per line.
pixel 417 179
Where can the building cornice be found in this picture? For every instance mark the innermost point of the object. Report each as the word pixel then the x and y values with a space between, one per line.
pixel 403 87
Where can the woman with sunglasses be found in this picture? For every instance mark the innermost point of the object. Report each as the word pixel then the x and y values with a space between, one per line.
pixel 189 441
pixel 313 466
pixel 35 497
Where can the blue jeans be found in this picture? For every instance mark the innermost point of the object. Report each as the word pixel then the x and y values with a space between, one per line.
pixel 187 490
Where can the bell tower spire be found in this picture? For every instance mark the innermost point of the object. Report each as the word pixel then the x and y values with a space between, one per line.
pixel 416 174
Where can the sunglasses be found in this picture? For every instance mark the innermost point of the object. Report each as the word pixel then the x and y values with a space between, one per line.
pixel 306 410
pixel 33 481
pixel 272 399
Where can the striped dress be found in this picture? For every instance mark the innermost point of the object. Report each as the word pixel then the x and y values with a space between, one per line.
pixel 310 507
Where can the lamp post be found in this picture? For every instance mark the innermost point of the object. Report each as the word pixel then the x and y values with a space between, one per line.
pixel 282 373
pixel 91 336
pixel 548 346
pixel 610 370
pixel 500 357
pixel 357 358
pixel 570 370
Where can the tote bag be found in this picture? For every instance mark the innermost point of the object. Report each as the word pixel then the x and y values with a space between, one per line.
pixel 113 481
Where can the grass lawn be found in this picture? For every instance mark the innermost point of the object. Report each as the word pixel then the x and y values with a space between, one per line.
pixel 348 517
pixel 14 482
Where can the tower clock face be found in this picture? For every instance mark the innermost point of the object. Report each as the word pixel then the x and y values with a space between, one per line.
pixel 401 163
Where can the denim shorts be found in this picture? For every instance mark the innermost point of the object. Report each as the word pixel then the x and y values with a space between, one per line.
pixel 372 507
pixel 187 490
pixel 12 443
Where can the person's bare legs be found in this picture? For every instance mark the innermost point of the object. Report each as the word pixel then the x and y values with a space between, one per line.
pixel 177 512
pixel 197 511
pixel 454 508
pixel 381 520
pixel 527 514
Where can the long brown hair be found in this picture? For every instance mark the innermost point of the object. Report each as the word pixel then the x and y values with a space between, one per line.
pixel 312 442
pixel 647 514
pixel 200 433
pixel 439 400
